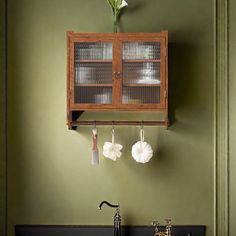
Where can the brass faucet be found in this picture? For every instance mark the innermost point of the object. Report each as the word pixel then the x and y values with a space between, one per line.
pixel 158 232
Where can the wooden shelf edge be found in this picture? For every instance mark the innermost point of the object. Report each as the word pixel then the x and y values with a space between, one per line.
pixel 140 60
pixel 93 85
pixel 142 85
pixel 119 122
pixel 93 61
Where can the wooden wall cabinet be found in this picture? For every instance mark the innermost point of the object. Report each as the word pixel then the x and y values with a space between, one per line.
pixel 116 71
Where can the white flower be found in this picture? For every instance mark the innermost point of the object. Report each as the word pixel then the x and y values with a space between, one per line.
pixel 123 4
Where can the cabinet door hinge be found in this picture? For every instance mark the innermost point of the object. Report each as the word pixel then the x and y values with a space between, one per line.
pixel 165 93
pixel 165 51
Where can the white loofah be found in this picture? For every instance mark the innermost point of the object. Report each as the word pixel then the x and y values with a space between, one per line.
pixel 112 150
pixel 142 151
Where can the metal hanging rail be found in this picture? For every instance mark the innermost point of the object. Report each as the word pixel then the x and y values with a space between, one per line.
pixel 119 122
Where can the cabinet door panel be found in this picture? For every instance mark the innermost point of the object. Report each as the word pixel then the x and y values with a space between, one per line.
pixel 97 73
pixel 141 50
pixel 92 77
pixel 141 73
pixel 141 95
pixel 142 81
pixel 93 51
pixel 93 95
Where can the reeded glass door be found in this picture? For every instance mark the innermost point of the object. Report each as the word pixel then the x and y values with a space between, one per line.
pixel 141 65
pixel 93 73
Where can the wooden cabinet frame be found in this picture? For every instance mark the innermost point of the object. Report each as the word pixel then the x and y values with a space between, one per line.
pixel 117 39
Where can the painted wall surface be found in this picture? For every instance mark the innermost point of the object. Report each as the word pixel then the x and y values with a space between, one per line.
pixel 2 119
pixel 50 179
pixel 232 114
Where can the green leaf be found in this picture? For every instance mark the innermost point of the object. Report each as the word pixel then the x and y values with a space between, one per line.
pixel 112 3
pixel 118 3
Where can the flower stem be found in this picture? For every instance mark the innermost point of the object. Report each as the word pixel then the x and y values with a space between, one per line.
pixel 115 16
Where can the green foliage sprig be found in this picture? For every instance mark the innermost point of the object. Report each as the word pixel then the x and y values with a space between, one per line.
pixel 116 6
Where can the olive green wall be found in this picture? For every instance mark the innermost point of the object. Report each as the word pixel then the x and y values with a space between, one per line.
pixel 2 118
pixel 232 114
pixel 50 179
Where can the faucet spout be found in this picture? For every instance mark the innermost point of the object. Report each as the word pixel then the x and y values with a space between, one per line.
pixel 108 204
pixel 117 217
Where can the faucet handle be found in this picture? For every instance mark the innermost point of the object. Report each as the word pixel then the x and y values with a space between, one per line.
pixel 168 227
pixel 156 224
pixel 168 222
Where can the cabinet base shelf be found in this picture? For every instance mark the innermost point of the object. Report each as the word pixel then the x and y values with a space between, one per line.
pixel 74 124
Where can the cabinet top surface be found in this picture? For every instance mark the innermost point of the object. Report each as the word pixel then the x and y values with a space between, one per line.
pixel 163 33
